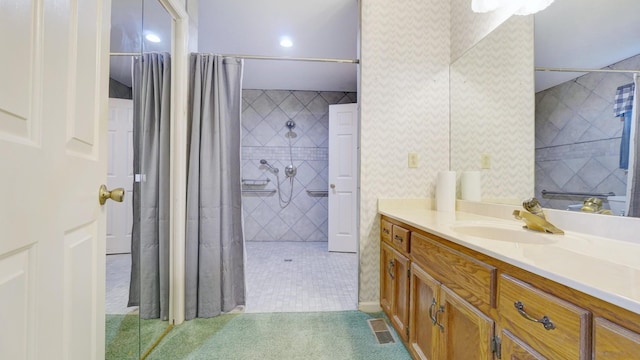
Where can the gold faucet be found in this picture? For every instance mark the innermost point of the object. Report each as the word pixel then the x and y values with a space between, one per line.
pixel 594 205
pixel 534 217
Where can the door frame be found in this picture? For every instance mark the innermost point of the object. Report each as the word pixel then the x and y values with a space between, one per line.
pixel 178 158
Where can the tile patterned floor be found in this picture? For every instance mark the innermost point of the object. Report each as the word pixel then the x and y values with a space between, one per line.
pixel 299 277
pixel 313 280
pixel 117 285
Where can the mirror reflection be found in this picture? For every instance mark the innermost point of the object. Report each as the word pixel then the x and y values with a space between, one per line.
pixel 583 120
pixel 137 284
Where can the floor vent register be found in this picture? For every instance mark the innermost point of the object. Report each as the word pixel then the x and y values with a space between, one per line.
pixel 381 331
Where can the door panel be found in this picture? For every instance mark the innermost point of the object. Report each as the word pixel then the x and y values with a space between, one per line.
pixel 515 349
pixel 19 21
pixel 400 318
pixel 386 278
pixel 343 177
pixel 467 331
pixel 52 137
pixel 423 333
pixel 120 174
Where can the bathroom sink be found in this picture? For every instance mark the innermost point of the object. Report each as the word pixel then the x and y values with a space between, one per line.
pixel 503 232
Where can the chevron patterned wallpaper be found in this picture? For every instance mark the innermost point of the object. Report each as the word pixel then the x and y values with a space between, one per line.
pixel 406 50
pixel 493 107
pixel 404 108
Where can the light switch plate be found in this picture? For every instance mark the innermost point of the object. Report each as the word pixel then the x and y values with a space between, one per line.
pixel 485 161
pixel 413 160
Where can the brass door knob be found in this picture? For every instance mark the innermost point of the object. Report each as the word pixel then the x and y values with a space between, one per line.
pixel 115 194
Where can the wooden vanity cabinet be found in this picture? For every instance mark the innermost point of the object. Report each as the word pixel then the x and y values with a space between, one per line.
pixel 424 299
pixel 514 349
pixel 462 304
pixel 442 325
pixel 466 333
pixel 551 326
pixel 394 288
pixel 614 342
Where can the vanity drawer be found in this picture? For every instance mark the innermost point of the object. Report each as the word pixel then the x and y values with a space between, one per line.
pixel 566 335
pixel 400 238
pixel 385 231
pixel 469 278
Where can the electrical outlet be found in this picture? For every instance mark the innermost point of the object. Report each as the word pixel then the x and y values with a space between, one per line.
pixel 485 161
pixel 413 160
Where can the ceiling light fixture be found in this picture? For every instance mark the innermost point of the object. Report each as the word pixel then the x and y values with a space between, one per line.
pixel 153 38
pixel 526 7
pixel 286 42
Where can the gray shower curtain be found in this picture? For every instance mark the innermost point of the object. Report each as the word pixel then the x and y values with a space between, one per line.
pixel 149 287
pixel 214 239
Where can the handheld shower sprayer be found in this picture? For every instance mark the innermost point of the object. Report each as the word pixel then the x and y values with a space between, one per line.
pixel 271 168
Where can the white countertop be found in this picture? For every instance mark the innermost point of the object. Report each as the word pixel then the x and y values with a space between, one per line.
pixel 605 268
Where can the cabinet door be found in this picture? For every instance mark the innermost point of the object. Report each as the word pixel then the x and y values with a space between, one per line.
pixel 423 332
pixel 466 331
pixel 386 277
pixel 515 349
pixel 612 341
pixel 400 304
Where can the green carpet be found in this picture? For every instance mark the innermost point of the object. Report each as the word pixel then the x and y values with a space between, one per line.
pixel 282 336
pixel 126 338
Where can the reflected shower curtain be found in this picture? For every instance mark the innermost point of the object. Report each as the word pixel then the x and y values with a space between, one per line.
pixel 214 239
pixel 149 286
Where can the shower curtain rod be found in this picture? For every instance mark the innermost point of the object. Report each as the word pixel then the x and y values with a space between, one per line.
pixel 588 70
pixel 125 54
pixel 262 57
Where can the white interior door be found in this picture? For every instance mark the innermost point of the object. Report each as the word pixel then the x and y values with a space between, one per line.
pixel 343 177
pixel 120 175
pixel 53 126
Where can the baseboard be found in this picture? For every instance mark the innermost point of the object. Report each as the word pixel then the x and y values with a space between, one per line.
pixel 369 307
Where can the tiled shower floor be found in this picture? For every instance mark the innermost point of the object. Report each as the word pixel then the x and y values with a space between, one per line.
pixel 314 279
pixel 299 277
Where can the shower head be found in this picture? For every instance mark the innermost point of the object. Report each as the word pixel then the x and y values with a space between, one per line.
pixel 271 168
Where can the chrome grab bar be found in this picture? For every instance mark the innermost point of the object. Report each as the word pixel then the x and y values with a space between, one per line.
pixel 546 193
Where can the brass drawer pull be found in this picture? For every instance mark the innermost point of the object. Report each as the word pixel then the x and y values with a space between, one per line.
pixel 399 238
pixel 389 267
pixel 545 321
pixel 386 231
pixel 440 310
pixel 434 320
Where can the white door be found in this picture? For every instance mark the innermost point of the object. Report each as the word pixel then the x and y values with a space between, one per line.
pixel 120 175
pixel 343 177
pixel 53 126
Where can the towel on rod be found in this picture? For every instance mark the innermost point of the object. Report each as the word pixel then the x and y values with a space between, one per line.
pixel 623 107
pixel 624 100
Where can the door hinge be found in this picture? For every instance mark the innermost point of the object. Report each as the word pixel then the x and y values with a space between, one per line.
pixel 406 330
pixel 496 346
pixel 409 273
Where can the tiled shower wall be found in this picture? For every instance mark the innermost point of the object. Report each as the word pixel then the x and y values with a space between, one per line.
pixel 265 136
pixel 578 138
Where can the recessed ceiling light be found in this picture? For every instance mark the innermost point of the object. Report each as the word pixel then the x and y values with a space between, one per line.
pixel 286 42
pixel 153 38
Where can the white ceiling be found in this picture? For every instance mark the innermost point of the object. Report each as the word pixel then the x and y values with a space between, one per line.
pixel 587 34
pixel 569 33
pixel 318 28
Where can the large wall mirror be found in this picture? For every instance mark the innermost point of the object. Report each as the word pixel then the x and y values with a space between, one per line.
pixel 492 111
pixel 137 265
pixel 582 147
pixel 576 137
